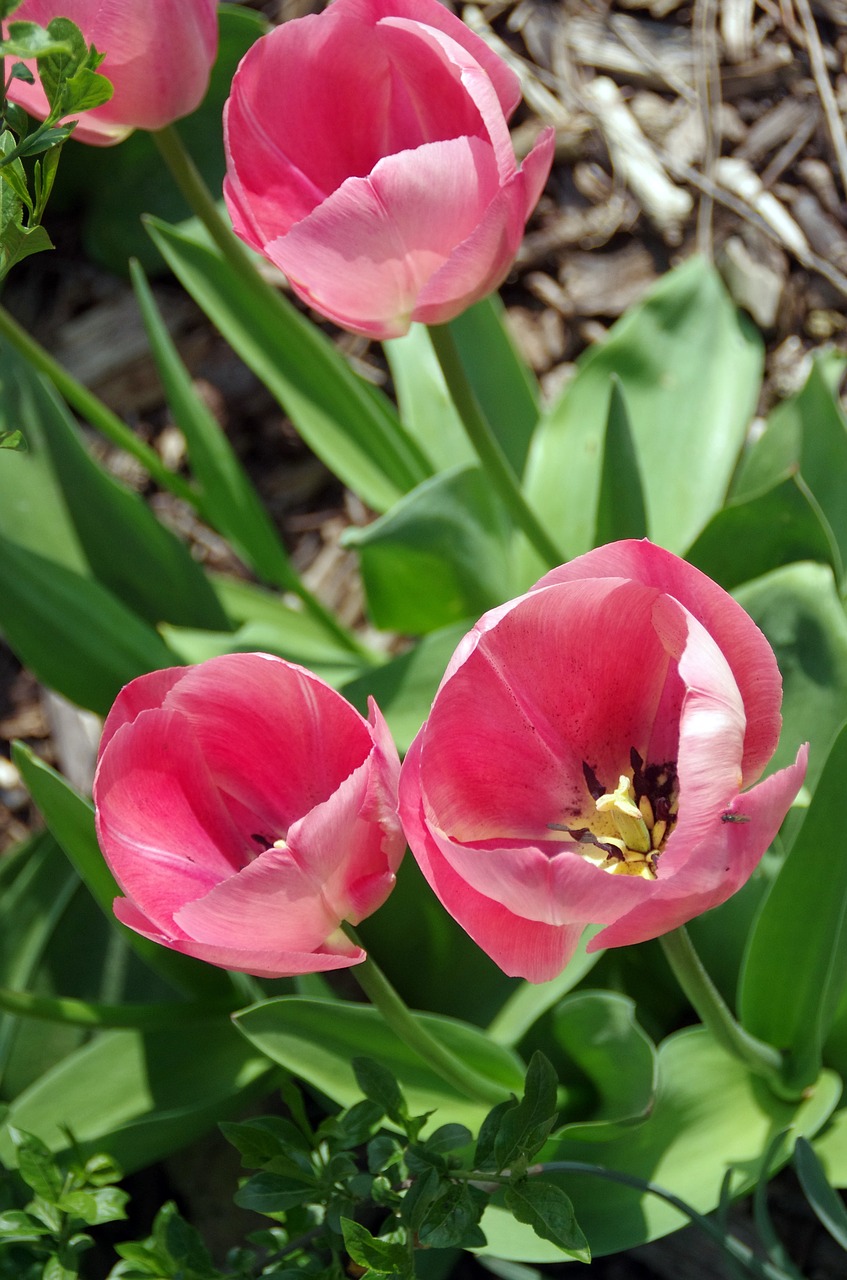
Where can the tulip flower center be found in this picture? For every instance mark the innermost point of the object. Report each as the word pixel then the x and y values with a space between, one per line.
pixel 629 826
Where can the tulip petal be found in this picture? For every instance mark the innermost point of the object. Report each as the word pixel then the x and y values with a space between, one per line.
pixel 276 738
pixel 160 820
pixel 506 83
pixel 737 636
pixel 146 693
pixel 275 962
pixel 522 948
pixel 731 850
pixel 363 255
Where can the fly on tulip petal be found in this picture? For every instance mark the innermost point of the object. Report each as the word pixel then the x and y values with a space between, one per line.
pixel 593 756
pixel 158 57
pixel 369 158
pixel 246 811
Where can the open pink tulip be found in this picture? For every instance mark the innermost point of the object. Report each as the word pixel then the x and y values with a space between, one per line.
pixel 369 158
pixel 246 810
pixel 586 758
pixel 158 57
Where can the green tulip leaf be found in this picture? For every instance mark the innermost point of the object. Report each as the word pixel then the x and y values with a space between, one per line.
pixel 709 1115
pixel 599 1032
pixel 317 1040
pixel 689 367
pixel 439 555
pixel 139 1097
pixel 795 968
pixel 620 507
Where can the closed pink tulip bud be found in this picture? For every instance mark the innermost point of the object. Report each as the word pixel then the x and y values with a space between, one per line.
pixel 158 57
pixel 587 759
pixel 246 810
pixel 369 158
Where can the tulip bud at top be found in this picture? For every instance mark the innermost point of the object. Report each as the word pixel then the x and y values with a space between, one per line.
pixel 369 158
pixel 158 57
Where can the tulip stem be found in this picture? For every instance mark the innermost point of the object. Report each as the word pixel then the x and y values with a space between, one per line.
pixel 410 1028
pixel 714 1013
pixel 487 447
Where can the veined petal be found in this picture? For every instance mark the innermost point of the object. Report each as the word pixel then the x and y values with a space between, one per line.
pixel 166 835
pixel 364 254
pixel 736 634
pixel 274 962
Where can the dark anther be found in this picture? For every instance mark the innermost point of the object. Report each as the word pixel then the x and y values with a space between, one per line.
pixel 263 841
pixel 637 763
pixel 595 787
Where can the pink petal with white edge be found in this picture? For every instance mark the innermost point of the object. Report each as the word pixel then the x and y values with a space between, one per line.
pixel 275 962
pixel 432 14
pixel 742 643
pixel 733 848
pixel 163 829
pixel 271 902
pixel 522 948
pixel 481 263
pixel 363 256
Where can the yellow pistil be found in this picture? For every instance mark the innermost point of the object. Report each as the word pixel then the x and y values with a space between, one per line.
pixel 627 817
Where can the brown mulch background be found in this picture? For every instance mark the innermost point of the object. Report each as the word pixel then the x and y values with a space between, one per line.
pixel 716 127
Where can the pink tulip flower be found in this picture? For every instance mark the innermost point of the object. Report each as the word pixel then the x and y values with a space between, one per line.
pixel 158 57
pixel 587 759
pixel 246 810
pixel 369 158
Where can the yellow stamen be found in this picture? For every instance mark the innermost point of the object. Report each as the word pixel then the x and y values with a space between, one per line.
pixel 627 816
pixel 657 835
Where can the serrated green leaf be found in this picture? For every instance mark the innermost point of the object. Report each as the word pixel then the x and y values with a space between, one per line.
pixel 451 1216
pixel 29 40
pixel 546 1208
pixel 384 1257
pixel 380 1086
pixel 525 1127
pixel 95 1206
pixel 274 1193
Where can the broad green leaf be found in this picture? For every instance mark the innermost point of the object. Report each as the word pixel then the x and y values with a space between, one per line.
pixel 599 1032
pixel 620 505
pixel 348 424
pixel 795 967
pixel 139 560
pixel 807 433
pixel 820 1195
pixel 317 1040
pixel 28 40
pixel 533 999
pixel 140 1097
pixel 524 1127
pixel 229 501
pixel 709 1114
pixel 74 634
pixel 70 819
pixel 405 687
pixel 439 555
pixel 689 366
pixel 831 1148
pixel 335 665
pixel 799 611
pixel 426 409
pixel 762 531
pixel 506 389
pixel 380 1257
